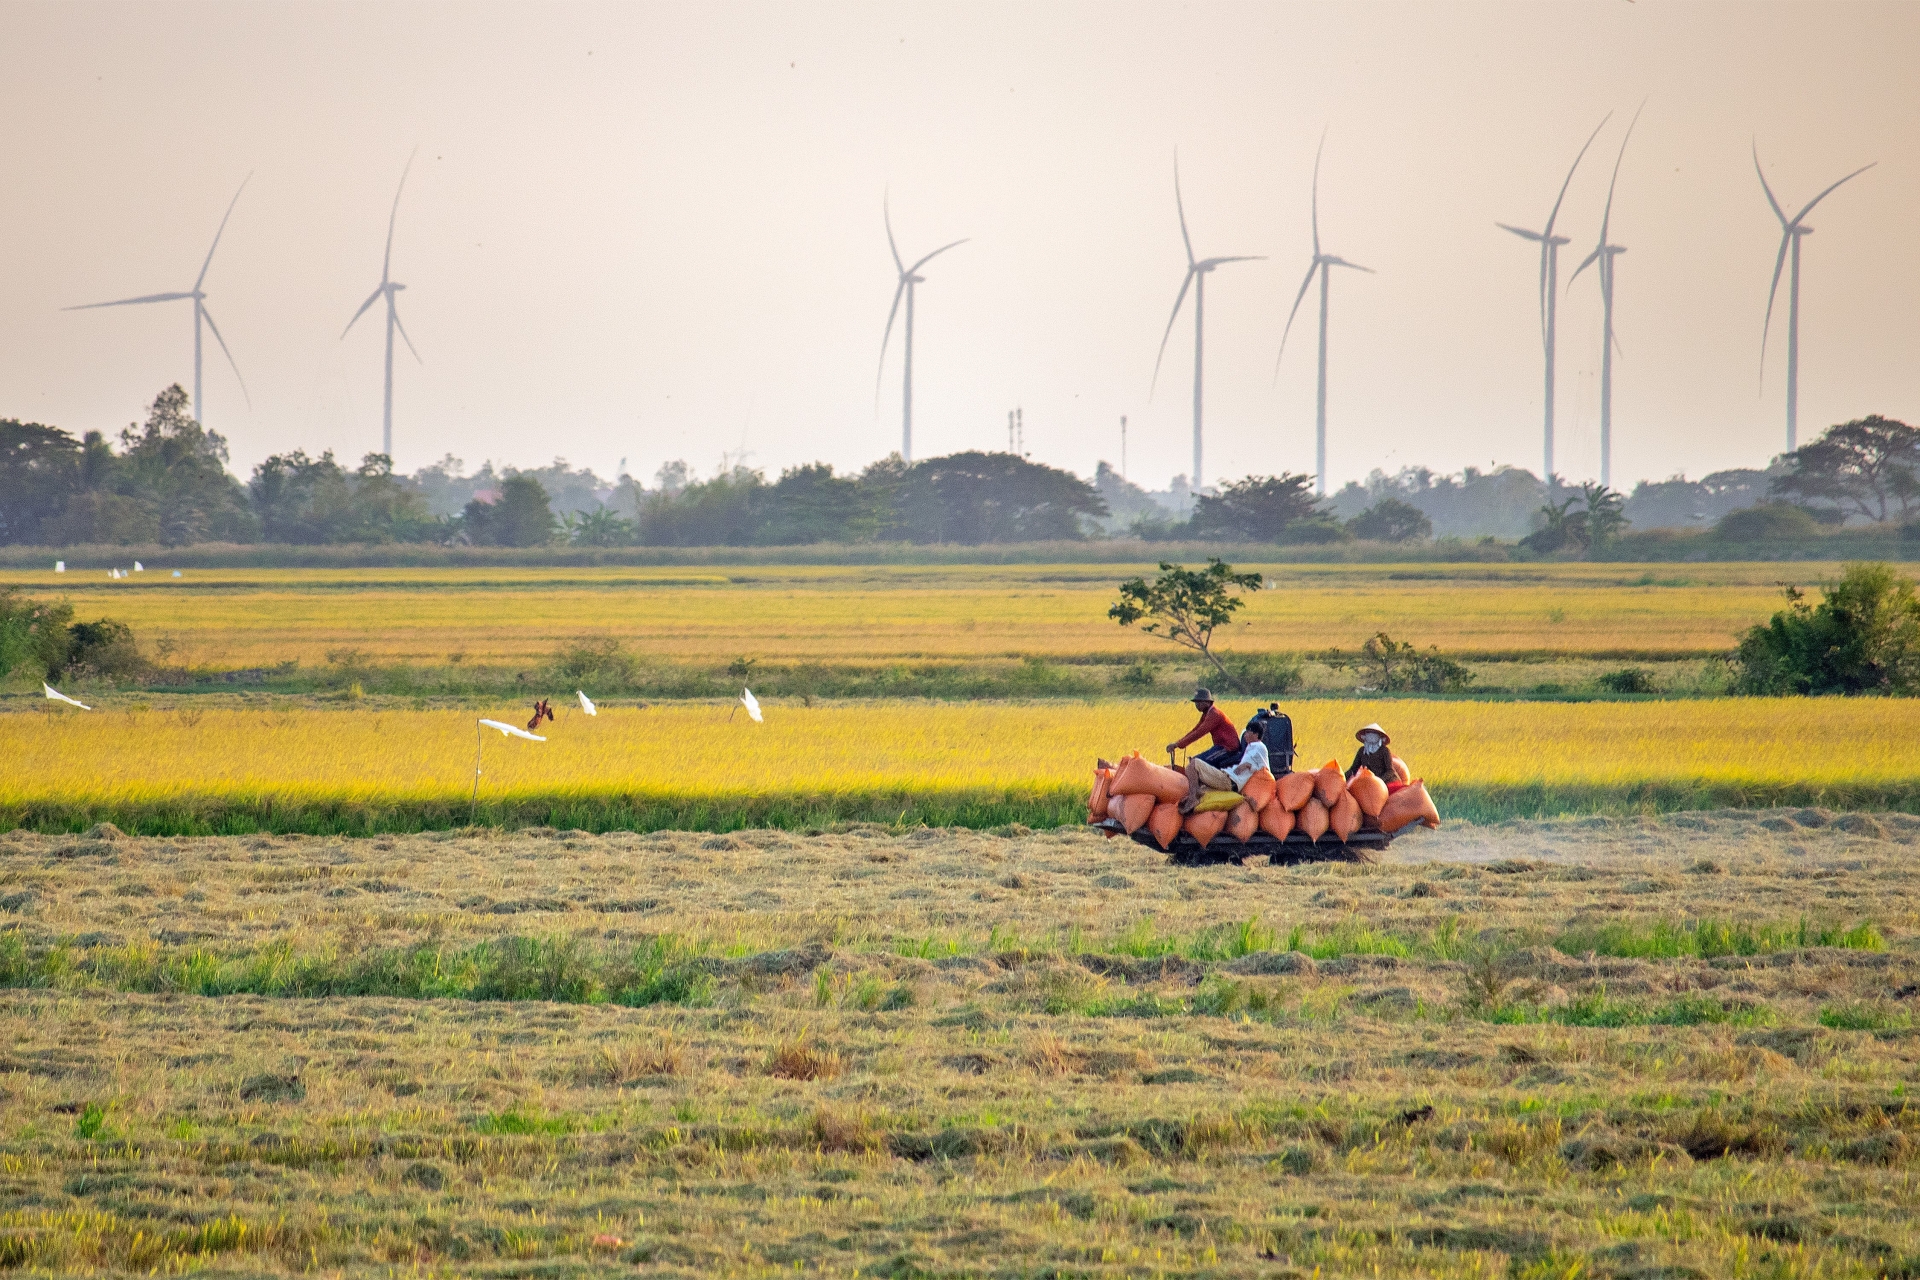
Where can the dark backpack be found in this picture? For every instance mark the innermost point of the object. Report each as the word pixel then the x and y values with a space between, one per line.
pixel 1279 740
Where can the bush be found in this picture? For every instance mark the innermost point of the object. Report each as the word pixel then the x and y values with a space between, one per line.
pixel 1864 637
pixel 601 661
pixel 1265 674
pixel 1387 665
pixel 33 635
pixel 1768 522
pixel 1628 680
pixel 1391 520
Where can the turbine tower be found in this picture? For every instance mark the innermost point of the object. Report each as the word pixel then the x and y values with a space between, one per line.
pixel 389 289
pixel 1791 231
pixel 909 277
pixel 1550 285
pixel 1602 260
pixel 1322 264
pixel 1197 272
pixel 200 312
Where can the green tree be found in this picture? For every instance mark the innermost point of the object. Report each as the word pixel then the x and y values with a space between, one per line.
pixel 1186 606
pixel 1278 508
pixel 1869 467
pixel 1391 520
pixel 1863 637
pixel 811 504
pixel 178 469
pixel 1387 665
pixel 978 497
pixel 727 510
pixel 521 517
pixel 33 635
pixel 601 528
pixel 39 474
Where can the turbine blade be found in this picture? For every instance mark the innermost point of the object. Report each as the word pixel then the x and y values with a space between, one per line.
pixel 1181 206
pixel 386 264
pixel 879 372
pixel 1245 257
pixel 371 299
pixel 403 330
pixel 1830 190
pixel 936 253
pixel 1298 298
pixel 1522 232
pixel 1342 262
pixel 132 302
pixel 886 215
pixel 1778 212
pixel 1178 301
pixel 1316 196
pixel 1584 264
pixel 1779 264
pixel 1607 218
pixel 201 278
pixel 208 317
pixel 1576 164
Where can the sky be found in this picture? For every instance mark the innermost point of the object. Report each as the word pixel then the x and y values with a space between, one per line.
pixel 642 232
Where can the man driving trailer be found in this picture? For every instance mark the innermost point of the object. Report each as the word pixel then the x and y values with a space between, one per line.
pixel 1226 739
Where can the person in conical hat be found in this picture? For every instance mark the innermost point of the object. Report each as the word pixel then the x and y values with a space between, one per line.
pixel 1373 754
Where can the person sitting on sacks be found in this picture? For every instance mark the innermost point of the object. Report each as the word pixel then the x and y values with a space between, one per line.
pixel 1374 755
pixel 1226 742
pixel 1203 777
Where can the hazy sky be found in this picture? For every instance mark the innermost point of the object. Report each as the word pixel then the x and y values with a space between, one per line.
pixel 654 231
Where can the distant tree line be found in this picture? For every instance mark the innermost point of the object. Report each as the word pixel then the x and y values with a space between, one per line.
pixel 166 481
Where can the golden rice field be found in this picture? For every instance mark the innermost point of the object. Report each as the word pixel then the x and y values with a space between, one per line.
pixel 701 766
pixel 244 618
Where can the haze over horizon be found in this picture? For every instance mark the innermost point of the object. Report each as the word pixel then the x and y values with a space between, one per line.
pixel 654 232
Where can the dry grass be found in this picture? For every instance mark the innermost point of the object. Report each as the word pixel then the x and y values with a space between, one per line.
pixel 241 618
pixel 1090 1078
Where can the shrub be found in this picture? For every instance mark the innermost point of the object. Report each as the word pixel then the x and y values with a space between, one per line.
pixel 1768 522
pixel 33 634
pixel 1864 637
pixel 1266 673
pixel 1391 520
pixel 1628 680
pixel 602 661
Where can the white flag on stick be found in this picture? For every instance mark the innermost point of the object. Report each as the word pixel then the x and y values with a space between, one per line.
pixel 513 731
pixel 586 703
pixel 58 696
pixel 752 704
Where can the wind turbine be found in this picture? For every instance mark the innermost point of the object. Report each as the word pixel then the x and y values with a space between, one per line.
pixel 1323 264
pixel 200 312
pixel 909 277
pixel 1791 232
pixel 389 287
pixel 1197 272
pixel 1602 260
pixel 1550 285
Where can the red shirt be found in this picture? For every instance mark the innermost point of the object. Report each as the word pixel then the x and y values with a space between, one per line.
pixel 1216 723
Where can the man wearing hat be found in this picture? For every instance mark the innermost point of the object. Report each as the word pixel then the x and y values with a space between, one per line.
pixel 1374 754
pixel 1226 738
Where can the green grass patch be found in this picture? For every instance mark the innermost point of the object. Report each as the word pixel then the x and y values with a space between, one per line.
pixel 1601 1010
pixel 1707 938
pixel 1865 1015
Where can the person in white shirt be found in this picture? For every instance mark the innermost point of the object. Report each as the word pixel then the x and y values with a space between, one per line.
pixel 1202 776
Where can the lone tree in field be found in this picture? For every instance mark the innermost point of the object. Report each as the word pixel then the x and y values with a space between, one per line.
pixel 1185 606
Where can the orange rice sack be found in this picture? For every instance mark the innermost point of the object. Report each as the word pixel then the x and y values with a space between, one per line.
pixel 1314 818
pixel 1328 785
pixel 1344 818
pixel 1164 823
pixel 1368 791
pixel 1241 823
pixel 1097 807
pixel 1292 790
pixel 1205 826
pixel 1116 806
pixel 1135 811
pixel 1259 789
pixel 1277 821
pixel 1400 770
pixel 1410 803
pixel 1136 776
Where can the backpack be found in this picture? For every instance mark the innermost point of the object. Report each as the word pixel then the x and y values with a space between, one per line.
pixel 1279 740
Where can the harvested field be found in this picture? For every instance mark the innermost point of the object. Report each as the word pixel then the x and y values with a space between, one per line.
pixel 1612 1047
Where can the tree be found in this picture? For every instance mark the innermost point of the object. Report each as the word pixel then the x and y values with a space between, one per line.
pixel 978 497
pixel 309 501
pixel 1869 467
pixel 602 528
pixel 1391 520
pixel 178 469
pixel 1278 508
pixel 520 518
pixel 1864 637
pixel 724 511
pixel 33 634
pixel 811 504
pixel 1185 606
pixel 1598 521
pixel 1604 515
pixel 39 474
